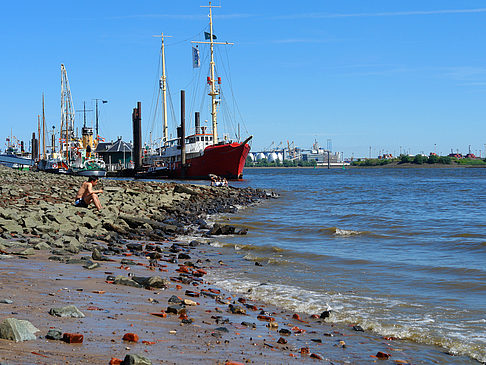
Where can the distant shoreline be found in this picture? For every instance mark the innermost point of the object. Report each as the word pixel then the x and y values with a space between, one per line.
pixel 388 166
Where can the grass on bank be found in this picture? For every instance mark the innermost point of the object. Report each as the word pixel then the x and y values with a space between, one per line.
pixel 420 160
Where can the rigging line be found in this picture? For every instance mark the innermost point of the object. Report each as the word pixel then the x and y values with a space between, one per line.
pixel 235 102
pixel 187 39
pixel 155 95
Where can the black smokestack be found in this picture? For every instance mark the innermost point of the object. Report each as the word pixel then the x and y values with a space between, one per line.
pixel 197 123
pixel 137 135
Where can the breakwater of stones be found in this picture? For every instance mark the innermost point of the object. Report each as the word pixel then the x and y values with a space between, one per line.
pixel 37 209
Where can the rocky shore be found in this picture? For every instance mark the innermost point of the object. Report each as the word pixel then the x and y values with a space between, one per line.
pixel 127 286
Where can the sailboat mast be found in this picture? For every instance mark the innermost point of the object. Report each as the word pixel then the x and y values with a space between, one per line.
pixel 164 92
pixel 213 93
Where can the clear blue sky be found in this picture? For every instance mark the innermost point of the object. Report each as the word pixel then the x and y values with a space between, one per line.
pixel 393 75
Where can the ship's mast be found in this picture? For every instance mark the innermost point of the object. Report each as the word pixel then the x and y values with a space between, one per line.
pixel 67 110
pixel 163 87
pixel 213 92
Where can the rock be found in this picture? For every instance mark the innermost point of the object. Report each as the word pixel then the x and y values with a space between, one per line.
pixel 282 341
pixel 42 246
pixel 54 334
pixel 222 329
pixel 285 332
pixel 136 360
pixel 152 282
pixel 325 314
pixel 176 309
pixel 358 328
pixel 121 280
pixel 17 330
pixel 67 311
pixel 90 265
pixel 6 301
pixel 27 252
pixel 235 309
pixel 181 189
pixel 382 355
pixel 97 256
pixel 175 299
pixel 248 324
pixel 189 302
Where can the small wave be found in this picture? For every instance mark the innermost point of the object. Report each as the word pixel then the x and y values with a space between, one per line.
pixel 468 235
pixel 267 260
pixel 420 328
pixel 335 231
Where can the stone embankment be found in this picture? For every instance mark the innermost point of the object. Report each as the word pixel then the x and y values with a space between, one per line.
pixel 38 209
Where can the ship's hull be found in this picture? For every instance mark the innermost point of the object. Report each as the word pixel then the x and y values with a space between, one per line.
pixel 225 160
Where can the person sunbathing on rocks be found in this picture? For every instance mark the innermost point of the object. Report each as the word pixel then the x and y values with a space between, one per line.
pixel 86 194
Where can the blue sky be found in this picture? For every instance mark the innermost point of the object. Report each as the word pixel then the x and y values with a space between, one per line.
pixel 390 75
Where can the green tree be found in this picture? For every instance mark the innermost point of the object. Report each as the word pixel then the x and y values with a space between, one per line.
pixel 433 159
pixel 419 159
pixel 405 159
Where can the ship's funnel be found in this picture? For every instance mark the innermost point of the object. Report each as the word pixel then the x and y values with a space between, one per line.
pixel 137 136
pixel 197 123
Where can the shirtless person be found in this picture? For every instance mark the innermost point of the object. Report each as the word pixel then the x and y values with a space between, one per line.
pixel 86 194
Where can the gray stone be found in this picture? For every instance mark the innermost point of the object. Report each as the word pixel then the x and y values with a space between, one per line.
pixel 152 282
pixel 122 280
pixel 6 301
pixel 136 360
pixel 90 265
pixel 54 334
pixel 17 330
pixel 28 252
pixel 67 311
pixel 42 246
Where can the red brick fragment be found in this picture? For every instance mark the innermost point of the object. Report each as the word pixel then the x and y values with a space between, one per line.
pixel 72 337
pixel 183 269
pixel 115 361
pixel 304 351
pixel 382 355
pixel 132 337
pixel 193 294
pixel 149 342
pixel 265 318
pixel 178 287
pixel 161 314
pixel 282 341
pixel 233 363
pixel 315 356
pixel 315 316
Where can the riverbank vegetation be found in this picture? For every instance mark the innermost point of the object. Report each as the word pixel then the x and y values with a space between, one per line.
pixel 420 160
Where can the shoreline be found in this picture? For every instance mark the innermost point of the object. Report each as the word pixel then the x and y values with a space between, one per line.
pixel 41 269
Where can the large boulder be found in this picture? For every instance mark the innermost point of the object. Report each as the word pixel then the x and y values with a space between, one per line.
pixel 17 330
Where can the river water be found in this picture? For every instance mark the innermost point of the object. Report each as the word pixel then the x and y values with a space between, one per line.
pixel 402 252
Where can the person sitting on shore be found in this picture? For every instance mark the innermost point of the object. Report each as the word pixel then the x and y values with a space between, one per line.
pixel 86 194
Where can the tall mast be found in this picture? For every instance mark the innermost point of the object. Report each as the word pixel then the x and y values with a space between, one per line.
pixel 67 110
pixel 43 129
pixel 163 87
pixel 213 92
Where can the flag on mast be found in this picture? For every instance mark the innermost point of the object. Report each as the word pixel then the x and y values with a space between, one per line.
pixel 208 36
pixel 196 61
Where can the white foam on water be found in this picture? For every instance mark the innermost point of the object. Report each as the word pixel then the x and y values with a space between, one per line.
pixel 346 232
pixel 349 308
